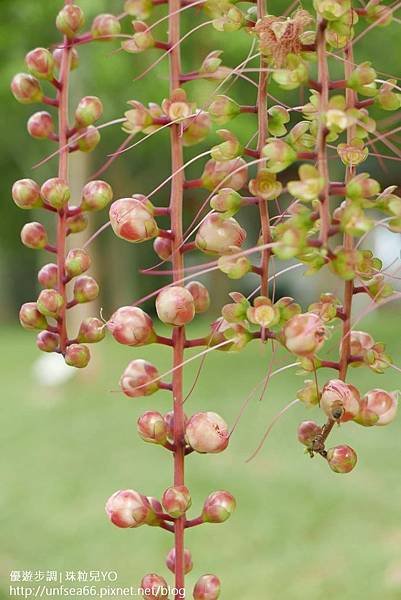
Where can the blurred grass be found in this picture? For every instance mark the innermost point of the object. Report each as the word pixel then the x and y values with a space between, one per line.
pixel 300 530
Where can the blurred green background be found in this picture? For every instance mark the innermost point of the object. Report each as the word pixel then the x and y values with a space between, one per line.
pixel 300 531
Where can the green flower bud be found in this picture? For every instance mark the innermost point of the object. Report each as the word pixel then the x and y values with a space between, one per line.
pixel 294 75
pixel 309 186
pixel 229 149
pixel 69 20
pixel 77 355
pixel 231 20
pixel 279 155
pixel 89 110
pixel 105 25
pixel 226 201
pixel 235 267
pixel 387 98
pixel 223 109
pixel 362 186
pixel 26 194
pixel 141 40
pixel 362 80
pixel 309 394
pixel 56 193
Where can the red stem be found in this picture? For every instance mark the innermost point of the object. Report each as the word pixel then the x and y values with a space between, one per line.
pixel 321 148
pixel 63 174
pixel 176 197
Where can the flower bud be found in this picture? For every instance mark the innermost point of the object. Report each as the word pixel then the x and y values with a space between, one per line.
pixel 265 185
pixel 140 9
pixel 47 341
pixel 234 266
pixel 105 25
pixel 132 220
pixel 155 504
pixel 26 89
pixel 87 139
pixel 341 459
pixel 218 507
pixel 30 317
pixel 77 223
pixel 139 379
pixel 207 588
pixel 196 128
pixel 86 289
pixel 231 19
pixel 77 355
pixel 288 308
pixel 223 109
pixel 226 201
pixel 69 20
pixel 207 432
pixel 141 40
pixel 175 306
pixel 131 326
pixel 163 247
pixel 48 275
pixel 91 330
pixel 40 63
pixel 170 561
pixel 56 192
pixel 360 343
pixel 382 404
pixel 362 80
pixel 154 587
pixel 50 303
pixel 40 125
pixel 74 60
pixel 218 235
pixel 388 98
pixel 362 186
pixel 77 262
pixel 152 428
pixel 26 194
pixel 232 173
pixel 307 432
pixel 339 400
pixel 176 500
pixel 89 110
pixel 279 155
pixel 127 508
pixel 304 334
pixel 33 235
pixel 96 195
pixel 227 150
pixel 200 295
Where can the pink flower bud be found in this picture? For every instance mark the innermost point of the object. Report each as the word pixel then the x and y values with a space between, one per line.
pixel 77 355
pixel 87 139
pixel 40 125
pixel 170 561
pixel 200 294
pixel 127 508
pixel 169 421
pixel 48 275
pixel 105 25
pixel 155 504
pixel 382 404
pixel 307 432
pixel 26 194
pixel 163 248
pixel 218 235
pixel 40 62
pixel 91 330
pixel 77 223
pixel 154 587
pixel 26 89
pixel 47 341
pixel 176 500
pixel 96 195
pixel 77 262
pixel 175 306
pixel 196 128
pixel 341 459
pixel 207 588
pixel 30 317
pixel 152 428
pixel 207 432
pixel 226 201
pixel 33 235
pixel 223 109
pixel 218 507
pixel 86 289
pixel 69 20
pixel 230 173
pixel 56 192
pixel 74 61
pixel 304 334
pixel 360 342
pixel 50 303
pixel 131 326
pixel 340 401
pixel 89 110
pixel 139 379
pixel 132 220
pixel 141 40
